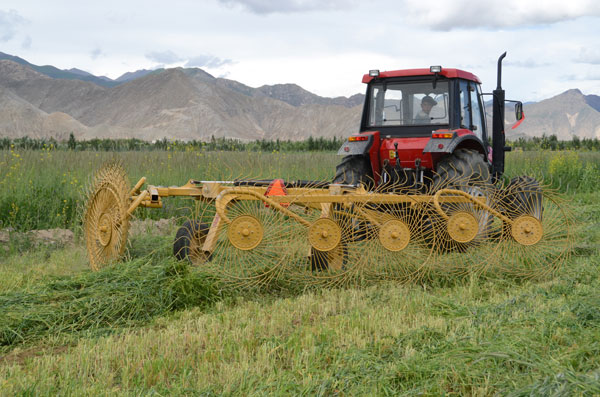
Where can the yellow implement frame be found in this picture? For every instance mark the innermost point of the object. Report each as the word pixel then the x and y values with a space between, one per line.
pixel 321 198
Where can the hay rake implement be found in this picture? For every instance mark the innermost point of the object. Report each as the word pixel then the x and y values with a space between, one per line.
pixel 254 232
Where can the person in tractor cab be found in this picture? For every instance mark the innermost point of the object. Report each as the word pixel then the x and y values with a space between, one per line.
pixel 423 116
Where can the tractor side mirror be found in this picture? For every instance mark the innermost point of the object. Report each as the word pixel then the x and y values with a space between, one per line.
pixel 519 111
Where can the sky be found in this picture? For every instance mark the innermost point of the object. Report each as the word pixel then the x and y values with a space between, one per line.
pixel 325 46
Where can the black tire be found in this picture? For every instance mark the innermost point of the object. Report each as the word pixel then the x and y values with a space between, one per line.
pixel 188 241
pixel 523 196
pixel 465 167
pixel 465 170
pixel 354 170
pixel 333 260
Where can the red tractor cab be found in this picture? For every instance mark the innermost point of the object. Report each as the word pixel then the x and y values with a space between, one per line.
pixel 423 126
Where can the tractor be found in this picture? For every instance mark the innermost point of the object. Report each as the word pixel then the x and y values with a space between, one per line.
pixel 423 126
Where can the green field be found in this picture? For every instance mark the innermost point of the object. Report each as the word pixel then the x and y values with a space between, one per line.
pixel 151 325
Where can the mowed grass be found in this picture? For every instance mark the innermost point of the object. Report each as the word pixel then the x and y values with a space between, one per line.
pixel 473 338
pixel 149 326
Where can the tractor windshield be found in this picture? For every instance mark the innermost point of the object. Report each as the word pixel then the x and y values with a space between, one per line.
pixel 398 104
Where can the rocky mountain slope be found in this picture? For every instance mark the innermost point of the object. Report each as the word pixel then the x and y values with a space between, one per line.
pixel 566 115
pixel 19 118
pixel 174 103
pixel 54 72
pixel 192 104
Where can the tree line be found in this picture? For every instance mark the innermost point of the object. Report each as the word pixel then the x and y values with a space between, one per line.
pixel 310 144
pixel 551 142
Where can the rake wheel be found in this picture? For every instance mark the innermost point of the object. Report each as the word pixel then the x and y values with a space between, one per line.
pixel 378 242
pixel 106 222
pixel 394 235
pixel 540 238
pixel 527 230
pixel 250 250
pixel 402 249
pixel 333 257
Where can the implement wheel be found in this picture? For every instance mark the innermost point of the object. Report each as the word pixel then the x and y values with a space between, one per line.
pixel 188 242
pixel 333 260
pixel 106 222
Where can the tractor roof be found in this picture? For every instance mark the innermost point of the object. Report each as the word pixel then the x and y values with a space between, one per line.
pixel 449 73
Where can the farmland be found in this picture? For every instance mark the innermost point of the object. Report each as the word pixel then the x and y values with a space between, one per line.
pixel 153 325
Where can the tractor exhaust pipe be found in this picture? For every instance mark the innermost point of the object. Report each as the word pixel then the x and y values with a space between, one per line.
pixel 498 137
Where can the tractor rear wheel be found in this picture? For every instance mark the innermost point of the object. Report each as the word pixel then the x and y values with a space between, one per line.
pixel 189 240
pixel 354 170
pixel 523 196
pixel 465 167
pixel 467 171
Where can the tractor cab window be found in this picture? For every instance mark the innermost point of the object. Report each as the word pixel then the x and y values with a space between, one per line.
pixel 465 108
pixel 399 104
pixel 477 110
pixel 471 115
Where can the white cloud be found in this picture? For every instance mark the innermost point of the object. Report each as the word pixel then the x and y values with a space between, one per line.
pixel 207 61
pixel 26 43
pixel 589 55
pixel 9 21
pixel 526 63
pixel 323 46
pixel 586 76
pixel 493 14
pixel 96 53
pixel 167 57
pixel 289 6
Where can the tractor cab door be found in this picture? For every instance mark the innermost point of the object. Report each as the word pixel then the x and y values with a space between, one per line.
pixel 472 115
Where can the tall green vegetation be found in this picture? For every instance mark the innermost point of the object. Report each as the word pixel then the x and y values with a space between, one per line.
pixel 42 189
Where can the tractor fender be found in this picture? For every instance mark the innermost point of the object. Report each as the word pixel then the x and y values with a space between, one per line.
pixel 356 144
pixel 365 144
pixel 445 145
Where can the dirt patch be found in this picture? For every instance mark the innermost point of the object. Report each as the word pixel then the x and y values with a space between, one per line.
pixel 22 356
pixel 4 236
pixel 65 237
pixel 57 237
pixel 52 236
pixel 160 227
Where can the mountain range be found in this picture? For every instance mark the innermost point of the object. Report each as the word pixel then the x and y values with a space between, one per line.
pixel 566 115
pixel 188 103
